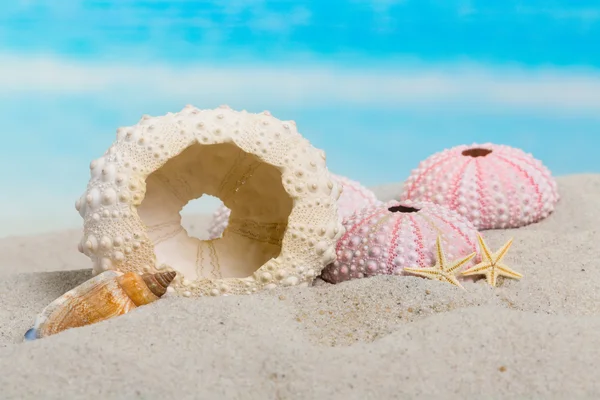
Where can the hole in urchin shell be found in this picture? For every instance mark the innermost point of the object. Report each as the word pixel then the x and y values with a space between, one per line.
pixel 476 152
pixel 253 191
pixel 403 209
pixel 194 215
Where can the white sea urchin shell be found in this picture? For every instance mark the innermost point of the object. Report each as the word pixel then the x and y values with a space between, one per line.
pixel 284 222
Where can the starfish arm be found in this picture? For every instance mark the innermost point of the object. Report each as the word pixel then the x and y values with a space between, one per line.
pixel 484 249
pixel 434 273
pixel 502 252
pixel 492 277
pixel 460 263
pixel 452 279
pixel 508 272
pixel 441 258
pixel 480 268
pixel 425 272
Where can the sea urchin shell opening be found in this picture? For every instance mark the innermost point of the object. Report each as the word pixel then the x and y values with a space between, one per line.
pixel 476 152
pixel 403 209
pixel 252 189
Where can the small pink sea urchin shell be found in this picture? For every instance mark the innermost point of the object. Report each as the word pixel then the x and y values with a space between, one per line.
pixel 384 239
pixel 494 186
pixel 354 197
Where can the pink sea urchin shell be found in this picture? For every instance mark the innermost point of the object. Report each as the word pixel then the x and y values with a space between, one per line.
pixel 494 186
pixel 354 197
pixel 385 238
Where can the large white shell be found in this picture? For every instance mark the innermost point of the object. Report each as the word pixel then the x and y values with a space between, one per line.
pixel 284 222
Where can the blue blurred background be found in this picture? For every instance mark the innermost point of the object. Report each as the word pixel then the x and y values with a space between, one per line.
pixel 379 84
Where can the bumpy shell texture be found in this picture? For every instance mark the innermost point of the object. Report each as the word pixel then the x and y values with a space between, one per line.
pixel 384 239
pixel 284 221
pixel 354 197
pixel 494 186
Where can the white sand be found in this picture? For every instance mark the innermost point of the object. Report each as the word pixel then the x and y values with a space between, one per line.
pixel 376 338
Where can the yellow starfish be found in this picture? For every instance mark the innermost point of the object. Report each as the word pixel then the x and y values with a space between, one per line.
pixel 491 266
pixel 440 271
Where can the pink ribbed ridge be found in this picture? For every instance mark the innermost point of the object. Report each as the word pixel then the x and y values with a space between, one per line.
pixel 384 239
pixel 494 186
pixel 354 197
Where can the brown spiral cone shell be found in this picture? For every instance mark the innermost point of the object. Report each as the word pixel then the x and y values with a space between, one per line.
pixel 158 283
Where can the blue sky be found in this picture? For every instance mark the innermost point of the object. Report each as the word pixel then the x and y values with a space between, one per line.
pixel 379 84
